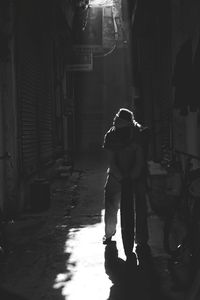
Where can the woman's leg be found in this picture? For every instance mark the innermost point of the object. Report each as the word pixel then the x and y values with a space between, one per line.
pixel 112 202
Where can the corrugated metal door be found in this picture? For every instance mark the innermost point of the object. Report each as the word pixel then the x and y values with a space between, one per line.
pixel 34 98
pixel 28 81
pixel 45 113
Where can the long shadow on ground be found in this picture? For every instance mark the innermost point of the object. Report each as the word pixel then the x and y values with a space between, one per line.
pixel 131 281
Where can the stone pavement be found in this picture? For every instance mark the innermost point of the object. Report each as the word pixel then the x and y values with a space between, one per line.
pixel 59 254
pixel 36 243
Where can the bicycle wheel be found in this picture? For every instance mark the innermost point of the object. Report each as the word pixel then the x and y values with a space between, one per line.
pixel 127 216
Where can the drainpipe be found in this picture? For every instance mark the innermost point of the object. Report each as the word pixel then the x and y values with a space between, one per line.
pixel 192 137
pixel 2 145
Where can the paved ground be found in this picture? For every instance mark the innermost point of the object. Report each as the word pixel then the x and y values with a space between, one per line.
pixel 58 255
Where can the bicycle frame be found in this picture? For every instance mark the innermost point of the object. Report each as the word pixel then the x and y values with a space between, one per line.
pixel 188 209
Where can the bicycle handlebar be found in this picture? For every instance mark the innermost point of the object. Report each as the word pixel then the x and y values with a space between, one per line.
pixel 186 154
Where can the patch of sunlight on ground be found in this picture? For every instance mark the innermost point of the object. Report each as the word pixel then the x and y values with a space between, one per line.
pixel 85 277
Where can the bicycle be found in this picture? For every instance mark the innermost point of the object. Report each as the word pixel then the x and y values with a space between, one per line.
pixel 182 225
pixel 186 201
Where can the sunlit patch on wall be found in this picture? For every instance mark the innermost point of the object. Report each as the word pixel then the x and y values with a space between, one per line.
pixel 101 2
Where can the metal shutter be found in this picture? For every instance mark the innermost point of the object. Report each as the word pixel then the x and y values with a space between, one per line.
pixel 34 101
pixel 28 80
pixel 45 111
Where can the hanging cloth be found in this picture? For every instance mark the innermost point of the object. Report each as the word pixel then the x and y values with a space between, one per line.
pixel 195 99
pixel 182 78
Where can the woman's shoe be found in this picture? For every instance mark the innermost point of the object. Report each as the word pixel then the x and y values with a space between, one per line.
pixel 106 240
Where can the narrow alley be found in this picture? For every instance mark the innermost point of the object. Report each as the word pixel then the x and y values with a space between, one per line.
pixel 78 77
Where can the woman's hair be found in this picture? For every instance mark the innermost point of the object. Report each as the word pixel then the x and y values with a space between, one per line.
pixel 125 114
pixel 124 117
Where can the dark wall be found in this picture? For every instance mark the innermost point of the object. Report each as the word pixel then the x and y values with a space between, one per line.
pixel 151 53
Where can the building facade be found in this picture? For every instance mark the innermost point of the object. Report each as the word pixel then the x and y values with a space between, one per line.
pixel 36 94
pixel 165 51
